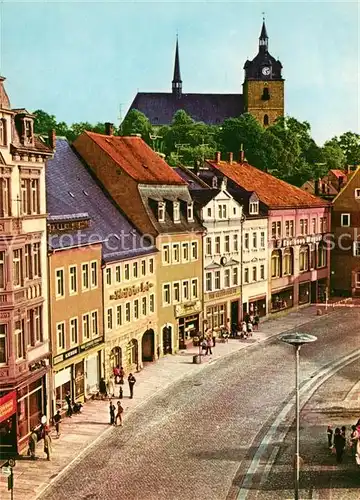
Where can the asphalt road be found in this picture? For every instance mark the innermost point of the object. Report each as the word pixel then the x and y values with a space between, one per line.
pixel 190 442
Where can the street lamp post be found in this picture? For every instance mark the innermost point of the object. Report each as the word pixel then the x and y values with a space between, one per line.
pixel 297 340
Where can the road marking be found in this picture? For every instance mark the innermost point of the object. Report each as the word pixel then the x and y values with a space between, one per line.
pixel 309 388
pixel 315 495
pixel 269 465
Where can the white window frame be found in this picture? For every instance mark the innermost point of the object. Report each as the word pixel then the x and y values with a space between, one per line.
pixel 195 282
pixel 127 272
pixel 217 274
pixel 176 284
pixel 151 303
pixel 109 319
pixel 356 248
pixel 176 248
pixel 166 288
pixel 207 288
pixel 86 321
pixel 127 312
pixel 235 273
pixel 57 294
pixel 185 288
pixel 194 254
pixel 136 309
pixel 166 248
pixel 63 333
pixel 84 288
pixel 262 239
pixel 342 220
pixel 119 315
pixel 108 276
pixel 143 267
pixel 190 212
pixel 74 322
pixel 235 243
pixel 254 208
pixel 262 272
pixel 176 211
pixel 94 273
pixel 185 246
pixel 208 245
pixel 161 211
pixel 357 193
pixel 118 273
pixel 227 278
pixel 144 306
pixel 94 315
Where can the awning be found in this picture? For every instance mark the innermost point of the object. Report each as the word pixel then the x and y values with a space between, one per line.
pixel 7 406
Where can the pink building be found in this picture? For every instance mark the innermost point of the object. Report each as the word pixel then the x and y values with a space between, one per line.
pixel 299 259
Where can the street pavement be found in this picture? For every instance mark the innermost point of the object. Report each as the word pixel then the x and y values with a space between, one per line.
pixel 190 428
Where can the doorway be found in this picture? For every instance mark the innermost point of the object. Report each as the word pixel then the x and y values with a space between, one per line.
pixel 234 315
pixel 313 292
pixel 148 345
pixel 167 340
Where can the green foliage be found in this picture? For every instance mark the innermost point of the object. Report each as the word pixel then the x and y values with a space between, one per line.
pixel 349 142
pixel 136 122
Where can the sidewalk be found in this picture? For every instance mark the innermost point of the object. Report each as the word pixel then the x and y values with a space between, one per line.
pixel 78 433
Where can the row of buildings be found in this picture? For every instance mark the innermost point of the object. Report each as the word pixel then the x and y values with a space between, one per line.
pixel 109 256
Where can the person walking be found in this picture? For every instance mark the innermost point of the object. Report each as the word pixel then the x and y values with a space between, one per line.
pixel 208 347
pixel 111 387
pixel 57 421
pixel 32 444
pixel 353 440
pixel 343 432
pixel 102 388
pixel 339 445
pixel 243 330
pixel 119 413
pixel 112 410
pixel 68 402
pixel 329 433
pixel 256 322
pixel 131 382
pixel 47 444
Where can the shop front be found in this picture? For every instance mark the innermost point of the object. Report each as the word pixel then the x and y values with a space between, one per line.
pixel 282 299
pixel 8 445
pixel 188 319
pixel 304 293
pixel 257 306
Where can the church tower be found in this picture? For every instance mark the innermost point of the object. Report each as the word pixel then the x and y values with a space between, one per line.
pixel 177 82
pixel 263 86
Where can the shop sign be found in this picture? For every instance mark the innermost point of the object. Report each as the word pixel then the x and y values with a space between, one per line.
pixel 77 350
pixel 188 308
pixel 298 241
pixel 37 365
pixel 223 293
pixel 7 405
pixel 129 291
pixel 91 344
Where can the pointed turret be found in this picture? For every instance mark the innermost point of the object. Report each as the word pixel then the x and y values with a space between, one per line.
pixel 177 82
pixel 263 38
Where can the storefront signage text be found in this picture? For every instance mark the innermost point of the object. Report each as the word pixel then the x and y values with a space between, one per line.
pixel 7 405
pixel 189 308
pixel 223 293
pixel 129 291
pixel 76 350
pixel 297 241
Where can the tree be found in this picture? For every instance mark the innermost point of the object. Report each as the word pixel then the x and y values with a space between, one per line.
pixel 136 122
pixel 43 122
pixel 333 157
pixel 350 145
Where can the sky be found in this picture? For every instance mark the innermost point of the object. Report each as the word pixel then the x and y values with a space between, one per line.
pixel 85 61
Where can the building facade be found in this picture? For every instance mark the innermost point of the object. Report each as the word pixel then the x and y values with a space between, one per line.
pixel 24 342
pixel 345 256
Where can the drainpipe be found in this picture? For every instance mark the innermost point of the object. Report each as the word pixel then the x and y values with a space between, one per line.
pixel 242 220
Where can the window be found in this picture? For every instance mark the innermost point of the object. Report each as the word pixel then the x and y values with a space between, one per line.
pixel 27 262
pixel 345 220
pixel 3 139
pixel 208 282
pixel 30 196
pixel 278 229
pixel 86 326
pixel 135 270
pixel 60 335
pixel 136 309
pixel 234 210
pixel 357 283
pixel 321 257
pixel 118 274
pixel 209 212
pixel 356 248
pixel 254 240
pixel 2 270
pixel 94 274
pixel 59 278
pixel 194 250
pixel 323 224
pixel 144 306
pixel 94 323
pixel 262 272
pixel 166 295
pixel 235 276
pixel 313 225
pixel 176 253
pixel 85 276
pixel 72 280
pixel 176 292
pixel 194 288
pixel 227 243
pixel 152 303
pixel 208 246
pixel 161 211
pixel 151 266
pixel 217 280
pixel 306 228
pixel 287 262
pixel 127 272
pixel 166 254
pixel 109 318
pixel 304 259
pixel 3 356
pixel 246 275
pixel 176 211
pixel 118 315
pixel 190 212
pixel 287 228
pixel 273 229
pixel 254 207
pixel 291 228
pixel 185 252
pixel 5 205
pixel 227 278
pixel 301 226
pixel 17 268
pixel 217 245
pixel 36 260
pixel 246 241
pixel 185 290
pixel 275 264
pixel 254 274
pixel 262 239
pixel 357 193
pixel 143 268
pixel 235 243
pixel 222 211
pixel 127 312
pixel 74 330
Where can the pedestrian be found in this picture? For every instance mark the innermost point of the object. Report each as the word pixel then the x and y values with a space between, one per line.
pixel 57 420
pixel 204 345
pixel 68 402
pixel 343 432
pixel 47 444
pixel 111 387
pixel 329 433
pixel 116 373
pixel 339 445
pixel 122 375
pixel 112 410
pixel 249 328
pixel 213 336
pixel 131 382
pixel 208 347
pixel 102 388
pixel 243 330
pixel 119 413
pixel 256 322
pixel 32 443
pixel 158 351
pixel 353 440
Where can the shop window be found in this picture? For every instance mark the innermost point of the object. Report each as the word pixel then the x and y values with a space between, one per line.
pixel 276 264
pixel 79 379
pixel 304 259
pixel 5 204
pixel 3 356
pixel 94 274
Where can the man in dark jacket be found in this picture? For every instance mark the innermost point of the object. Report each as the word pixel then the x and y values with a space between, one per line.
pixel 131 381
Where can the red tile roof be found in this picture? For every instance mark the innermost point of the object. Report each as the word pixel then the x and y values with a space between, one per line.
pixel 338 173
pixel 272 191
pixel 137 159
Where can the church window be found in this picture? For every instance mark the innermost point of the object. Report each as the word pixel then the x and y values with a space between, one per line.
pixel 266 120
pixel 266 94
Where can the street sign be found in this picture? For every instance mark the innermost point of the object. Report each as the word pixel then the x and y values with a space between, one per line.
pixel 6 471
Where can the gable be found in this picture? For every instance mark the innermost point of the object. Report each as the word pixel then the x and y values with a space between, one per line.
pixel 346 200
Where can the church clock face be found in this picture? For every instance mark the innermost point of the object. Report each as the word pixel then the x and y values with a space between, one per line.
pixel 266 71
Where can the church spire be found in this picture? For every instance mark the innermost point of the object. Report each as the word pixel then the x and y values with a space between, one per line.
pixel 263 38
pixel 177 82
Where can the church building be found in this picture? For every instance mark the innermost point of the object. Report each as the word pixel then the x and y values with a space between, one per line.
pixel 263 94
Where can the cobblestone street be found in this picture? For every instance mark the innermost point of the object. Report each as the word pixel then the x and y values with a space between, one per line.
pixel 191 440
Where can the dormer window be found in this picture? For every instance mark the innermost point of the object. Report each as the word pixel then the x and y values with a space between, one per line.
pixel 176 211
pixel 214 182
pixel 254 208
pixel 357 193
pixel 190 212
pixel 161 211
pixel 28 131
pixel 3 140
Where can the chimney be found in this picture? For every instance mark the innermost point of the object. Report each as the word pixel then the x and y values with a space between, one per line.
pixel 109 128
pixel 341 181
pixel 242 156
pixel 196 166
pixel 231 157
pixel 316 187
pixel 52 139
pixel 217 157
